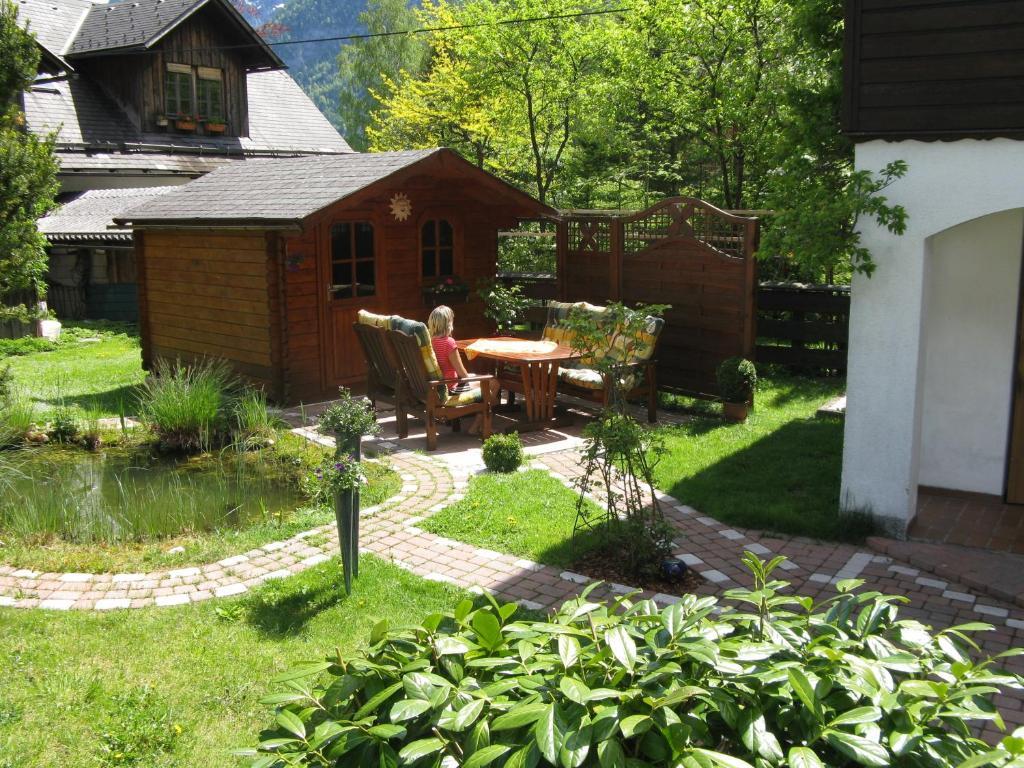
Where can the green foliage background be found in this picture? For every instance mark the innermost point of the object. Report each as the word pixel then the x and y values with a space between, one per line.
pixel 28 169
pixel 586 104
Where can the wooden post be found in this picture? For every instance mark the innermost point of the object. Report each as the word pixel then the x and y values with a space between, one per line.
pixel 561 247
pixel 616 245
pixel 139 240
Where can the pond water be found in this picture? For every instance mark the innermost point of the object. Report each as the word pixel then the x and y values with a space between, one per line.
pixel 133 496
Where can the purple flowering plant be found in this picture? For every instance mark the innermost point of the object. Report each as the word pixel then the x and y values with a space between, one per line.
pixel 334 476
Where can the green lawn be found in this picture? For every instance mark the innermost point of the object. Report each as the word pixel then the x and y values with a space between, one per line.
pixel 528 514
pixel 779 471
pixel 96 376
pixel 181 686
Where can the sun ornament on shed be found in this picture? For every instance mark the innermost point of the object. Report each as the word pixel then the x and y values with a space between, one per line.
pixel 401 206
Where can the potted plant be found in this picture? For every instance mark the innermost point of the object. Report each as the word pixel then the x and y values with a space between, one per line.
pixel 347 420
pixel 445 291
pixel 214 125
pixel 185 122
pixel 737 380
pixel 504 304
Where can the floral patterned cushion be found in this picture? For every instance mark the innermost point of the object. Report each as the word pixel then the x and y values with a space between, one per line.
pixel 472 395
pixel 413 328
pixel 588 378
pixel 632 351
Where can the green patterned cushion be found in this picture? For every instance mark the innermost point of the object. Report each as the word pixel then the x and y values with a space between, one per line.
pixel 379 321
pixel 472 395
pixel 588 378
pixel 637 351
pixel 413 328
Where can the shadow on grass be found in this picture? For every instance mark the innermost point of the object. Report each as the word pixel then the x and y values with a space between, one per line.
pixel 111 402
pixel 282 608
pixel 786 483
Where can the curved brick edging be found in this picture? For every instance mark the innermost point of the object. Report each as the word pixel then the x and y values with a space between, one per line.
pixel 422 486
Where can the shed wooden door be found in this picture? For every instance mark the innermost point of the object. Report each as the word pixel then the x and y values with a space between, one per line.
pixel 352 281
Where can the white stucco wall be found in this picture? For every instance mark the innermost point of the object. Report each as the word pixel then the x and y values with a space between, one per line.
pixel 948 183
pixel 972 274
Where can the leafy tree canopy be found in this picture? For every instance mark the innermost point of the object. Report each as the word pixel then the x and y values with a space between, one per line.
pixel 733 101
pixel 28 169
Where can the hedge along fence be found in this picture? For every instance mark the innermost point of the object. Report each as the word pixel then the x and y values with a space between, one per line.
pixel 805 327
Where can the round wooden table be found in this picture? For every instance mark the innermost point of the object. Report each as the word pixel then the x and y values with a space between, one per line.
pixel 538 373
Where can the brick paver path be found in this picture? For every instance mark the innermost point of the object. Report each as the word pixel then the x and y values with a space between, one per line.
pixel 390 531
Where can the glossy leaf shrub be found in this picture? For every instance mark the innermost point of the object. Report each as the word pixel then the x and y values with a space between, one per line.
pixel 769 680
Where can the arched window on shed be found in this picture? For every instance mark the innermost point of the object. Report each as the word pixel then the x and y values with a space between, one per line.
pixel 437 248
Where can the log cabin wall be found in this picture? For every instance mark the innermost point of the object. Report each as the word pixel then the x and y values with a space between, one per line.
pixel 136 82
pixel 212 293
pixel 321 351
pixel 934 69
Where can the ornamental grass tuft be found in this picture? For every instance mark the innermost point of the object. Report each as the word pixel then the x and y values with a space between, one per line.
pixel 189 405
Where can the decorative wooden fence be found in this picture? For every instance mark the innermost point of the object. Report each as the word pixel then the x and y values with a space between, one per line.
pixel 683 252
pixel 805 327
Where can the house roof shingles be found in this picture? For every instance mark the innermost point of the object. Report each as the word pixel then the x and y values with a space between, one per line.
pixel 128 24
pixel 89 216
pixel 279 190
pixel 53 22
pixel 92 131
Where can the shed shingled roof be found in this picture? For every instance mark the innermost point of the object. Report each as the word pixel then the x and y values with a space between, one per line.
pixel 89 216
pixel 278 190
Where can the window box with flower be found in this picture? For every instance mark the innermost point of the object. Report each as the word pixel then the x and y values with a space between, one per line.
pixel 446 290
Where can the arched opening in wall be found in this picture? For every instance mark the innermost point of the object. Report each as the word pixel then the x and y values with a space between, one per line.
pixel 971 357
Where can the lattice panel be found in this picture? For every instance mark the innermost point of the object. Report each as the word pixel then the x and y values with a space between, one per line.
pixel 674 219
pixel 590 235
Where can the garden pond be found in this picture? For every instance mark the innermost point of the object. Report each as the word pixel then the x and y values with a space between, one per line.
pixel 122 495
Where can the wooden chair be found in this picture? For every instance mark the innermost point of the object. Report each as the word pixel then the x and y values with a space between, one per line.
pixel 382 367
pixel 427 396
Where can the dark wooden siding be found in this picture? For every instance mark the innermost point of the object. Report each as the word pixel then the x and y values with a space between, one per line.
pixel 934 69
pixel 210 294
pixel 136 82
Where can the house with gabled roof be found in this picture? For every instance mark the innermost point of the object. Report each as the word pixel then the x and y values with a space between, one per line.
pixel 149 93
pixel 934 437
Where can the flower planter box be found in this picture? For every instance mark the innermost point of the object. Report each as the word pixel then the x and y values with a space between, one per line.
pixel 185 125
pixel 215 127
pixel 434 298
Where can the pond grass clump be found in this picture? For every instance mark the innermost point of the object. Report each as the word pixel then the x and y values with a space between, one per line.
pixel 188 406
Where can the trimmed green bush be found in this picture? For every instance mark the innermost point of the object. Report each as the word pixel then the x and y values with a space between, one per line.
pixel 503 453
pixel 737 380
pixel 774 681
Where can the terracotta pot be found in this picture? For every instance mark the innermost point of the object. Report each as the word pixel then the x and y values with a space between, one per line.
pixel 216 127
pixel 736 411
pixel 185 125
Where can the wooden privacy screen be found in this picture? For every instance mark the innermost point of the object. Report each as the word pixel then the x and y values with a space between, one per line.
pixel 683 252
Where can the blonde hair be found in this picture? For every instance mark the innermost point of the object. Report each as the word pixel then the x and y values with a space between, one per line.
pixel 441 322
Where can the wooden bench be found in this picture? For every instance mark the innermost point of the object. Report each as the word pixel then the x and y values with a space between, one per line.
pixel 579 380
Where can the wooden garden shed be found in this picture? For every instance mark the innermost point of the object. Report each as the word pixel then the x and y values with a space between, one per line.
pixel 266 263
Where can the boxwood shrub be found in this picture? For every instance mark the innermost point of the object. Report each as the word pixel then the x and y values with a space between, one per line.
pixel 503 453
pixel 772 679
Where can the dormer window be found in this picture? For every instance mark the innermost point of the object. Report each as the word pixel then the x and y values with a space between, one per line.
pixel 210 93
pixel 178 91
